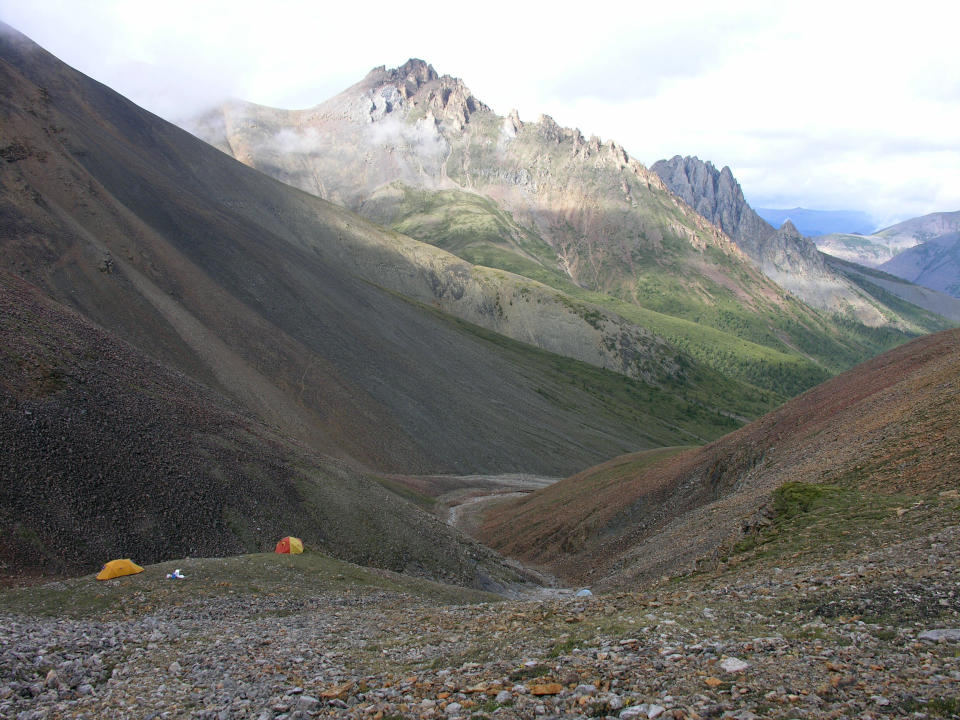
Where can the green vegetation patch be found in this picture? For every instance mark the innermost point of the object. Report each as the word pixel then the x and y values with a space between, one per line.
pixel 795 498
pixel 830 520
pixel 665 416
pixel 424 501
pixel 944 707
pixel 468 225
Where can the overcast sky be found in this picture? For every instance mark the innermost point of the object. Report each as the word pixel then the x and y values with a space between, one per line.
pixel 824 105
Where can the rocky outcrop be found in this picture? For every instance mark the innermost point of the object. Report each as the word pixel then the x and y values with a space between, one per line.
pixel 717 196
pixel 419 84
pixel 786 250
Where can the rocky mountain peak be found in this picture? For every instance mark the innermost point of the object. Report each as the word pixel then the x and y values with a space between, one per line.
pixel 416 82
pixel 784 255
pixel 788 229
pixel 413 75
pixel 717 196
pixel 417 70
pixel 548 129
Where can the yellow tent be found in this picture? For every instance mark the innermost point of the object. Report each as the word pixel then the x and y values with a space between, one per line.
pixel 118 568
pixel 290 544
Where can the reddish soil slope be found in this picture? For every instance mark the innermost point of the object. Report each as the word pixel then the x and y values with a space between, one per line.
pixel 889 425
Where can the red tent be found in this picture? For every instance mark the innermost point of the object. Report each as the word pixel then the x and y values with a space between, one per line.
pixel 290 545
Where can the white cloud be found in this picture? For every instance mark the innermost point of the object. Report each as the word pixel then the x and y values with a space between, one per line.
pixel 821 104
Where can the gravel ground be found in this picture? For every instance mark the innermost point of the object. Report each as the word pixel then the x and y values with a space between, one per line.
pixel 852 638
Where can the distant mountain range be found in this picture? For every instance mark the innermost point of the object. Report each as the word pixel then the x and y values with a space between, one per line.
pixel 922 250
pixel 867 250
pixel 934 264
pixel 820 222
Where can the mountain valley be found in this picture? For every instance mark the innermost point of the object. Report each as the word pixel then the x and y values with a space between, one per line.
pixel 563 436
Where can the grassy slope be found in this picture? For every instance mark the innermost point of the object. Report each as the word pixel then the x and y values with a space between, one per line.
pixel 886 428
pixel 722 333
pixel 828 521
pixel 292 576
pixel 924 318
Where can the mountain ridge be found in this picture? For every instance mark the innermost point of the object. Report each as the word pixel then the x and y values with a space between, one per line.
pixel 821 222
pixel 878 247
pixel 934 264
pixel 420 156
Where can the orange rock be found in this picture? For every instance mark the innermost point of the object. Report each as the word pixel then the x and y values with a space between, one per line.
pixel 338 692
pixel 443 695
pixel 546 689
pixel 713 682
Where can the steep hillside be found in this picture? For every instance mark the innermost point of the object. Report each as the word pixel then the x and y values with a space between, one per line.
pixel 889 288
pixel 785 256
pixel 317 321
pixel 934 264
pixel 419 152
pixel 891 425
pixel 106 453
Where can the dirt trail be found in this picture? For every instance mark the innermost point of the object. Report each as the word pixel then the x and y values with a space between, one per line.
pixel 468 515
pixel 469 495
pixel 464 505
